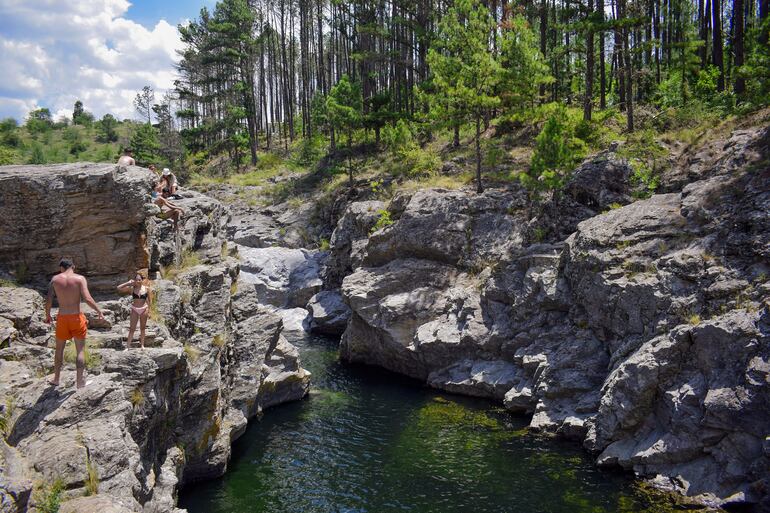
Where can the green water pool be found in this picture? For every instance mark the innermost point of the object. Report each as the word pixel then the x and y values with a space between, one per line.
pixel 367 441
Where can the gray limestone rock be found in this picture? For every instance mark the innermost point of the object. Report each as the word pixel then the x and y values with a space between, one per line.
pixel 329 313
pixel 282 277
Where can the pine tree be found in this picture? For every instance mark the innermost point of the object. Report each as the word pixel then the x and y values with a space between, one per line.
pixel 465 72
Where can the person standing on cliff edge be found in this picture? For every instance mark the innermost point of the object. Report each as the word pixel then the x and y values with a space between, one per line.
pixel 70 289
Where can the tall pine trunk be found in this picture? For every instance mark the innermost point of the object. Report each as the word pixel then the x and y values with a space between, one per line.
pixel 589 65
pixel 717 50
pixel 740 82
pixel 602 63
pixel 479 187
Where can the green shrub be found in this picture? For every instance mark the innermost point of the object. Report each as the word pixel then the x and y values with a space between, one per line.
pixel 383 221
pixel 48 498
pixel 7 156
pixel 557 152
pixel 37 155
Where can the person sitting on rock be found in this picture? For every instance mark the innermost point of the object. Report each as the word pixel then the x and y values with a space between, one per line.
pixel 174 211
pixel 170 184
pixel 70 289
pixel 127 159
pixel 140 307
pixel 154 169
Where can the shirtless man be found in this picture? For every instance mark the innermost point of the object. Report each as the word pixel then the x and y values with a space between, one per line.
pixel 69 289
pixel 127 158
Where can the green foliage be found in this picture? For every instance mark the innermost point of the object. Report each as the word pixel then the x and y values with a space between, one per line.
pixel 465 73
pixel 382 221
pixel 557 152
pixel 647 158
pixel 344 106
pixel 398 137
pixel 523 67
pixel 756 70
pixel 8 125
pixel 7 156
pixel 39 121
pixel 48 497
pixel 144 142
pixel 36 155
pixel 107 128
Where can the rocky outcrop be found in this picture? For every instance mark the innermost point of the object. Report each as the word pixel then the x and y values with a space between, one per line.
pixel 93 213
pixel 645 333
pixel 282 277
pixel 349 239
pixel 149 420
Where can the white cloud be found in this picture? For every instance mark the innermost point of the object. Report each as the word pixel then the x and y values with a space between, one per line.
pixel 53 53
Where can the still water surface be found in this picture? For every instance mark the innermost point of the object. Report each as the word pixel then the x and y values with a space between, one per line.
pixel 367 441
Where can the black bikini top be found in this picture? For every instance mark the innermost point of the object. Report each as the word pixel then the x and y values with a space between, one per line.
pixel 140 296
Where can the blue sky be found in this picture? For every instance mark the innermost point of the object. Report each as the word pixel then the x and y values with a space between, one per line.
pixel 148 12
pixel 54 52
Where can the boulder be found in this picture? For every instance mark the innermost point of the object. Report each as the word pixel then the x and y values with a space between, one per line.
pixel 94 213
pixel 282 277
pixel 329 313
pixel 348 240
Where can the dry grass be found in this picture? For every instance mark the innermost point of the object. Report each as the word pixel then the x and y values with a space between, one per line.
pixel 192 352
pixel 189 259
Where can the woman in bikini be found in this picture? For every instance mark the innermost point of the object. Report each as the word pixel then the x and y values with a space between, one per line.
pixel 140 306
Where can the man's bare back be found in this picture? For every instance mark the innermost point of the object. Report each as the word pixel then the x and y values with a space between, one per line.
pixel 125 160
pixel 69 291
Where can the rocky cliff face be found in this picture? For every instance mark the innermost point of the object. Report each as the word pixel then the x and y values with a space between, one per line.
pixel 151 419
pixel 642 330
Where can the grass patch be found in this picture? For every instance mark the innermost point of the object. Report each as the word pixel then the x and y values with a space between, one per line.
pixel 218 340
pixel 192 352
pixel 137 397
pixel 92 478
pixel 8 283
pixel 92 360
pixel 189 259
pixel 154 312
pixel 47 497
pixel 694 319
pixel 210 433
pixel 5 417
pixel 457 181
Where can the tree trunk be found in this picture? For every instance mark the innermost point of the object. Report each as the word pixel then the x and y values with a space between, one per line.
pixel 740 82
pixel 543 36
pixel 479 187
pixel 602 63
pixel 588 98
pixel 717 51
pixel 456 140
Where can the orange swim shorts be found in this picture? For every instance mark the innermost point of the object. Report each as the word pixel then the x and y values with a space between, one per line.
pixel 71 326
